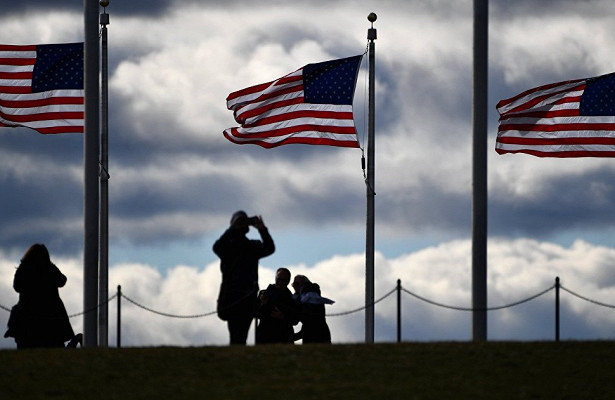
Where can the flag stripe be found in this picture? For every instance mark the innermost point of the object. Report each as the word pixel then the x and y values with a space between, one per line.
pixel 295 115
pixel 566 119
pixel 38 88
pixel 306 137
pixel 276 113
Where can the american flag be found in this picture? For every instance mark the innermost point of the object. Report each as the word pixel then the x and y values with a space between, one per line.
pixel 312 105
pixel 574 118
pixel 41 87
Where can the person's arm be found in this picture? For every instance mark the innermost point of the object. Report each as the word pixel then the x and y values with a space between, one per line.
pixel 267 247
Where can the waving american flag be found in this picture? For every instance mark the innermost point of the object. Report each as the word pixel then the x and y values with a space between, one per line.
pixel 41 87
pixel 574 118
pixel 312 105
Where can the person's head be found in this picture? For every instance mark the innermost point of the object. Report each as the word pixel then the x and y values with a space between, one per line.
pixel 299 282
pixel 36 254
pixel 239 221
pixel 282 277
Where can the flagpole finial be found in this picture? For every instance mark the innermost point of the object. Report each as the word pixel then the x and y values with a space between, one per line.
pixel 372 17
pixel 371 33
pixel 104 17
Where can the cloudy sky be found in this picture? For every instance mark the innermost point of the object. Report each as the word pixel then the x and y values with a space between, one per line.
pixel 175 180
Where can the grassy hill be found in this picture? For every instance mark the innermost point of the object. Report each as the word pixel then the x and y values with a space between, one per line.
pixel 492 370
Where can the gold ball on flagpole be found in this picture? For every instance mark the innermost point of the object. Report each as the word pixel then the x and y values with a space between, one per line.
pixel 372 17
pixel 104 3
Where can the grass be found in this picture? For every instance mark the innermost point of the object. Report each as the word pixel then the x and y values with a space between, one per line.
pixel 492 370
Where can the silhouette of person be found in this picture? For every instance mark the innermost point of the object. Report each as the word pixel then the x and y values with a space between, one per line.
pixel 239 257
pixel 39 319
pixel 276 313
pixel 314 328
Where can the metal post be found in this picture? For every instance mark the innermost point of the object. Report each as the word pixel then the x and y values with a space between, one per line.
pixel 91 188
pixel 103 290
pixel 399 311
pixel 479 173
pixel 557 285
pixel 119 316
pixel 371 185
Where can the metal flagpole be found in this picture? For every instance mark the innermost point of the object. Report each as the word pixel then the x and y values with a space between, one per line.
pixel 91 154
pixel 479 172
pixel 103 283
pixel 371 185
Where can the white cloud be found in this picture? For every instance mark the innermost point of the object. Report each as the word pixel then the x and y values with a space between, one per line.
pixel 174 179
pixel 517 270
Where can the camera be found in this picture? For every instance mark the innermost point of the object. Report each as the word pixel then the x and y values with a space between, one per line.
pixel 252 220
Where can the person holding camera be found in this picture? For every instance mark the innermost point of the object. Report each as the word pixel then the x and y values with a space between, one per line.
pixel 239 257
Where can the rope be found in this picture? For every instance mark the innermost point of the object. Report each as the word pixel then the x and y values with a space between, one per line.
pixel 207 314
pixel 167 314
pixel 478 309
pixel 586 299
pixel 432 302
pixel 364 307
pixel 93 308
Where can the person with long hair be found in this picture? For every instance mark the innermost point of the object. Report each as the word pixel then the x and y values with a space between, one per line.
pixel 39 319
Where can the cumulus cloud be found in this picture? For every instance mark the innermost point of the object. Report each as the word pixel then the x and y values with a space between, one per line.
pixel 175 180
pixel 518 270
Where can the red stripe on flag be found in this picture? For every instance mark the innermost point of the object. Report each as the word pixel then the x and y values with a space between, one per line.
pixel 15 89
pixel 17 61
pixel 41 102
pixel 16 75
pixel 301 114
pixel 49 116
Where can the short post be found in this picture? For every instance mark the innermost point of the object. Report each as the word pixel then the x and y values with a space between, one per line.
pixel 399 311
pixel 557 285
pixel 119 316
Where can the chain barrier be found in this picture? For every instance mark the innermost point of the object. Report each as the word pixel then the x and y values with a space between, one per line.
pixel 364 307
pixel 166 314
pixel 93 308
pixel 585 298
pixel 479 309
pixel 426 300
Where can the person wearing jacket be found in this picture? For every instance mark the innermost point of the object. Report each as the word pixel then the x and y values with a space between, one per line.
pixel 276 312
pixel 314 328
pixel 239 258
pixel 39 319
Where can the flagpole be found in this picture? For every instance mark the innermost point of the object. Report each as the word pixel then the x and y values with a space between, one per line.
pixel 103 290
pixel 479 172
pixel 91 189
pixel 371 185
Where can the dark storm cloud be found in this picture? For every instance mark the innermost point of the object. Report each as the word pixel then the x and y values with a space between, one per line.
pixel 44 204
pixel 128 8
pixel 116 7
pixel 438 103
pixel 563 203
pixel 525 8
pixel 427 209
